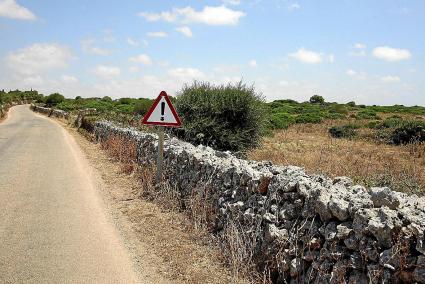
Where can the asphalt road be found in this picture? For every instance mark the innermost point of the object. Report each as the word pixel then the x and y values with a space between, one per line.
pixel 53 225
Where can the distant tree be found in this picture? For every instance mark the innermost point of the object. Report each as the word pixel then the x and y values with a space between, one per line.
pixel 316 99
pixel 77 98
pixel 125 101
pixel 351 104
pixel 107 99
pixel 142 106
pixel 54 99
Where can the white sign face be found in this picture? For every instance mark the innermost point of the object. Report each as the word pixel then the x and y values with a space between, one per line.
pixel 162 113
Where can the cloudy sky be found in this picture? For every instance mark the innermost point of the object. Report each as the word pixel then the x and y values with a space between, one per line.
pixel 372 52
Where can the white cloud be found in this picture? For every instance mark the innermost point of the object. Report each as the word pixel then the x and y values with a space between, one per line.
pixel 331 58
pixel 391 54
pixel 157 34
pixel 107 71
pixel 294 6
pixel 186 74
pixel 132 42
pixel 252 63
pixel 69 79
pixel 390 79
pixel 11 9
pixel 217 16
pixel 142 58
pixel 39 57
pixel 185 30
pixel 307 56
pixel 87 46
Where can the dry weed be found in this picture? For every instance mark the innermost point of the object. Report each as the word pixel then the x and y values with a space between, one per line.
pixel 400 167
pixel 123 151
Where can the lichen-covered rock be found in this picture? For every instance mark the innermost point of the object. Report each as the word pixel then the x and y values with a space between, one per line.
pixel 383 196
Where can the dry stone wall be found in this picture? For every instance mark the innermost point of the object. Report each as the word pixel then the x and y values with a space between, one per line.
pixel 308 228
pixel 50 112
pixel 305 228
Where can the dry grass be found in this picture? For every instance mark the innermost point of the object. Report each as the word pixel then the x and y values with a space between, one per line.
pixel 399 167
pixel 176 229
pixel 123 151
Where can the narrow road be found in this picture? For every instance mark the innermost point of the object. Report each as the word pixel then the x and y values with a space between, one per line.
pixel 53 225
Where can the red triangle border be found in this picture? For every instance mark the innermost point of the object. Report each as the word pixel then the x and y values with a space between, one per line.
pixel 173 110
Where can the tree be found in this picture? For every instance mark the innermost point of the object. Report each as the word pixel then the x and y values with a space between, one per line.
pixel 54 99
pixel 107 99
pixel 125 101
pixel 77 98
pixel 225 117
pixel 142 106
pixel 316 99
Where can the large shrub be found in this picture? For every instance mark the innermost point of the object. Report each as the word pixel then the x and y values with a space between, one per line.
pixel 387 123
pixel 309 118
pixel 142 106
pixel 409 132
pixel 225 117
pixel 367 114
pixel 281 120
pixel 344 131
pixel 54 99
pixel 316 99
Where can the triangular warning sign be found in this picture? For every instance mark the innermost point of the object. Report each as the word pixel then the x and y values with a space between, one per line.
pixel 162 113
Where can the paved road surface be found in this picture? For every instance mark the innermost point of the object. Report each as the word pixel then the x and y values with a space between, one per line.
pixel 53 227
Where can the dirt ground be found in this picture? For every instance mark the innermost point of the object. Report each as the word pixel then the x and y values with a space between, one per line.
pixel 159 239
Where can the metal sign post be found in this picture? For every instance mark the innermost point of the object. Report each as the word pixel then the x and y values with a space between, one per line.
pixel 162 113
pixel 160 157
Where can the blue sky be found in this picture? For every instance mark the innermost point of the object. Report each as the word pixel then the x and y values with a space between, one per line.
pixel 371 52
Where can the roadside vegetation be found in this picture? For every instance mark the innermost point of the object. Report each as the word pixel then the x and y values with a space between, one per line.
pixel 375 145
pixel 7 99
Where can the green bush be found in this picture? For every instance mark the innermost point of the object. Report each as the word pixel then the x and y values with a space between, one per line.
pixel 309 118
pixel 125 101
pixel 142 106
pixel 54 99
pixel 335 115
pixel 336 108
pixel 367 114
pixel 316 99
pixel 389 123
pixel 409 132
pixel 344 131
pixel 281 120
pixel 225 117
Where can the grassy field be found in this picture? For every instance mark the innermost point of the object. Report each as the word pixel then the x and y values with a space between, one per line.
pixel 365 160
pixel 374 145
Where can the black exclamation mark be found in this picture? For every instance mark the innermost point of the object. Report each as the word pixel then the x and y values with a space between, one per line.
pixel 162 111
